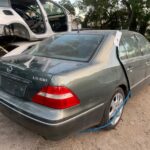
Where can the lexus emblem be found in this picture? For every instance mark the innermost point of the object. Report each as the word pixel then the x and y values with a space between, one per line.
pixel 9 69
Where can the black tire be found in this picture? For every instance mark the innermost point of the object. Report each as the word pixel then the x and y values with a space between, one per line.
pixel 106 119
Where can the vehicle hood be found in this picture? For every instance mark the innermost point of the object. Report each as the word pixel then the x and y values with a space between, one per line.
pixel 42 64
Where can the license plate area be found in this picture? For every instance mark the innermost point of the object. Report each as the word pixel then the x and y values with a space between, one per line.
pixel 13 87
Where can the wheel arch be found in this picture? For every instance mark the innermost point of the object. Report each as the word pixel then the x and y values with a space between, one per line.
pixel 124 88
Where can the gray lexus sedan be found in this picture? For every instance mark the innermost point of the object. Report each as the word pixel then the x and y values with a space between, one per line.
pixel 73 81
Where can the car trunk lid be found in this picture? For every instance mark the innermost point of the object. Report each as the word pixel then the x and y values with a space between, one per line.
pixel 24 75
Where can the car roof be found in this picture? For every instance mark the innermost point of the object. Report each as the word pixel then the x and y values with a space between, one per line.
pixel 105 32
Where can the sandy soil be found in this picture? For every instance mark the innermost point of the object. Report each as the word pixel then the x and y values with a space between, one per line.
pixel 133 132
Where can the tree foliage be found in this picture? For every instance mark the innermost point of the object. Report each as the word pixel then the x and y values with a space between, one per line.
pixel 113 14
pixel 67 4
pixel 117 14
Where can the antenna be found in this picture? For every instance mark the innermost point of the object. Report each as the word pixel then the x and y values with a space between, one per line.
pixel 77 20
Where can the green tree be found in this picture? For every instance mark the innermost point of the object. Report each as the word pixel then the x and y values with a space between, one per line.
pixel 100 12
pixel 116 14
pixel 138 14
pixel 67 4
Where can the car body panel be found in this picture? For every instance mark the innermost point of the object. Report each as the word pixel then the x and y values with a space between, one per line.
pixel 135 70
pixel 135 66
pixel 93 82
pixel 148 66
pixel 45 65
pixel 54 131
pixel 145 48
pixel 20 47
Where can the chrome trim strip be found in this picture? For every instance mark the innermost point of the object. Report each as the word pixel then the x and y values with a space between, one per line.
pixel 54 96
pixel 140 82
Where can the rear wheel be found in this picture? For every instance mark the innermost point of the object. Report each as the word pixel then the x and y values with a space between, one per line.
pixel 114 109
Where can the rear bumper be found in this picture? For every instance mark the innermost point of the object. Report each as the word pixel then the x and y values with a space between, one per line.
pixel 50 129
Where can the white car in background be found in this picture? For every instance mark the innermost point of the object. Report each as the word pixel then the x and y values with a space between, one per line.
pixel 33 19
pixel 16 48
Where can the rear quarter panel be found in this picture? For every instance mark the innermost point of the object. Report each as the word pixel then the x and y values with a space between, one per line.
pixel 95 83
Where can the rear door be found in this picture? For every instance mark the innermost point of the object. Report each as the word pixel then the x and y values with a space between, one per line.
pixel 145 48
pixel 132 59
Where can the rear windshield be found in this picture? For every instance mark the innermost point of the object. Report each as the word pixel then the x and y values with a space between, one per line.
pixel 74 47
pixel 4 3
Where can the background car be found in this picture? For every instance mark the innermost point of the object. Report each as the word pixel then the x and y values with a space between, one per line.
pixel 33 19
pixel 73 81
pixel 18 48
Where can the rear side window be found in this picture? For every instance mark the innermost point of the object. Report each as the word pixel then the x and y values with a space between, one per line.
pixel 131 45
pixel 143 44
pixel 122 51
pixel 4 3
pixel 77 47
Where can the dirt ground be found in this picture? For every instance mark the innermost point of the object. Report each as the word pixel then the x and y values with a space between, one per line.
pixel 133 132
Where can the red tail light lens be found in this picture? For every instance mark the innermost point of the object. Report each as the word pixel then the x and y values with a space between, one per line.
pixel 57 97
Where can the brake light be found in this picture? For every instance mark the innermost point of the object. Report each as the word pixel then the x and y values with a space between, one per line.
pixel 57 97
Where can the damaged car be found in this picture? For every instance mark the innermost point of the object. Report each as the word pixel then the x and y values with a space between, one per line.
pixel 73 81
pixel 33 19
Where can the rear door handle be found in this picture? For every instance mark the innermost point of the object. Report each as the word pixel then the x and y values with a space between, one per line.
pixel 148 63
pixel 130 68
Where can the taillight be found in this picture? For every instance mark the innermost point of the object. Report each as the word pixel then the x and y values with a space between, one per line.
pixel 57 97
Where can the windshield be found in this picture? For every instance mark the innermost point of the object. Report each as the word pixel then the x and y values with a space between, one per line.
pixel 74 47
pixel 4 3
